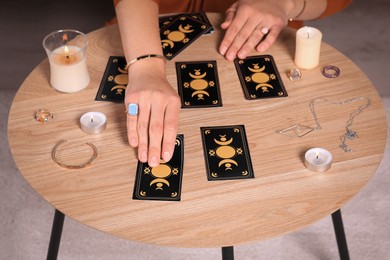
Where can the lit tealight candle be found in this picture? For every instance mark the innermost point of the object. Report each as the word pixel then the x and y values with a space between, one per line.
pixel 318 159
pixel 93 122
pixel 307 48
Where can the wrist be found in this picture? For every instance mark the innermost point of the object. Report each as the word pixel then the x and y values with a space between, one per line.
pixel 149 65
pixel 297 9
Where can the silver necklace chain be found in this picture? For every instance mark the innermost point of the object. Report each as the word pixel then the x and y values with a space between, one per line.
pixel 349 133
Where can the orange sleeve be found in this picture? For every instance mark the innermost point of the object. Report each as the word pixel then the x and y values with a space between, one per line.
pixel 335 6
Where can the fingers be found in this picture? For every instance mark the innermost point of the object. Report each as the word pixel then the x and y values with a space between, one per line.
pixel 155 133
pixel 229 16
pixel 154 129
pixel 171 120
pixel 234 35
pixel 132 133
pixel 142 129
pixel 252 41
pixel 247 24
pixel 270 39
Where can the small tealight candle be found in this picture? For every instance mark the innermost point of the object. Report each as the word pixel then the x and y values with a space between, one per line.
pixel 318 159
pixel 307 48
pixel 93 122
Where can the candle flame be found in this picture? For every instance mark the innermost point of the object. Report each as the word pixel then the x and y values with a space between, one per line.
pixel 317 155
pixel 91 118
pixel 66 51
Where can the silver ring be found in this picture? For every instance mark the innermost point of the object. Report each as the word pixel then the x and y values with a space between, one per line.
pixel 132 109
pixel 264 30
pixel 295 75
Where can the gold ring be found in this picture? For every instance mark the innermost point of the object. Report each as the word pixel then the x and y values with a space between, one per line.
pixel 80 166
pixel 43 115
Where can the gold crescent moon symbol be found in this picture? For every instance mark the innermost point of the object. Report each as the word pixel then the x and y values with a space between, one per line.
pixel 122 70
pixel 117 87
pixel 264 85
pixel 169 42
pixel 159 181
pixel 198 76
pixel 257 70
pixel 200 92
pixel 185 30
pixel 227 161
pixel 224 143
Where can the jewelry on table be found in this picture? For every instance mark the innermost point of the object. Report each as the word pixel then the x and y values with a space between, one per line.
pixel 330 71
pixel 294 75
pixel 80 166
pixel 43 115
pixel 301 130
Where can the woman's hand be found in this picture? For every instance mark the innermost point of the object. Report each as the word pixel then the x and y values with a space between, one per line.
pixel 248 21
pixel 154 129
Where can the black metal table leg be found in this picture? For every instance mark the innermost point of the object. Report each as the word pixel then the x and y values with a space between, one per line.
pixel 340 235
pixel 55 238
pixel 227 253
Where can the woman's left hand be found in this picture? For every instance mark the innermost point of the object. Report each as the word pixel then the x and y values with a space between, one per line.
pixel 248 21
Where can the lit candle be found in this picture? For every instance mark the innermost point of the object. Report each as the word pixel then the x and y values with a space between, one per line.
pixel 93 122
pixel 68 67
pixel 307 48
pixel 318 159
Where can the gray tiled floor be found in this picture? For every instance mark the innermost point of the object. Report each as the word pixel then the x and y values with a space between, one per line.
pixel 361 32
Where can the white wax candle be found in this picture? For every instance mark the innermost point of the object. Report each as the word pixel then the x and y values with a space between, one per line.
pixel 318 159
pixel 68 69
pixel 307 48
pixel 93 122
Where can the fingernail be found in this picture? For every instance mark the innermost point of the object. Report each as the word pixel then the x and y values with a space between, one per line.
pixel 144 157
pixel 133 142
pixel 153 161
pixel 230 56
pixel 166 156
pixel 242 55
pixel 223 50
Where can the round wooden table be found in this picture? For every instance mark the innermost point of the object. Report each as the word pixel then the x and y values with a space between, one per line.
pixel 284 196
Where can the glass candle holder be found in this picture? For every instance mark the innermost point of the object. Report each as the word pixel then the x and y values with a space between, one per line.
pixel 66 51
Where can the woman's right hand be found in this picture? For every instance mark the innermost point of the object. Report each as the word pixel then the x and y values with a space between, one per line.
pixel 154 129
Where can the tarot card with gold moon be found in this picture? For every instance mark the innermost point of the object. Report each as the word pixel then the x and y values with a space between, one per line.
pixel 114 82
pixel 260 77
pixel 198 84
pixel 164 181
pixel 226 153
pixel 180 33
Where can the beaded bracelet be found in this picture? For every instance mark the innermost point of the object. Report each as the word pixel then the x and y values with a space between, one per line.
pixel 147 56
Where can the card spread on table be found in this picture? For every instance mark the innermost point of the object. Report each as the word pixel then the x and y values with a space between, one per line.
pixel 114 81
pixel 226 153
pixel 201 16
pixel 164 181
pixel 198 84
pixel 260 77
pixel 180 33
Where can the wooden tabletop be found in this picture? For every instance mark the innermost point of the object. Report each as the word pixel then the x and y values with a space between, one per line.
pixel 284 196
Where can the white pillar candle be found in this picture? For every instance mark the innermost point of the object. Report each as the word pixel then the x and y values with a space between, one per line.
pixel 68 69
pixel 93 122
pixel 66 50
pixel 308 47
pixel 318 159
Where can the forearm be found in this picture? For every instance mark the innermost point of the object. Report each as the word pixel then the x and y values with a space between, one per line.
pixel 138 23
pixel 305 9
